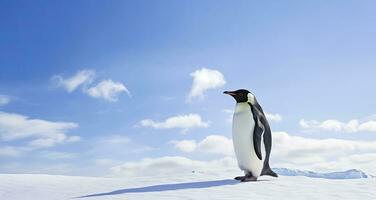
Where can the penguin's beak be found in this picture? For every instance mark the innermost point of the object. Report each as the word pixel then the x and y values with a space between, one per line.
pixel 231 93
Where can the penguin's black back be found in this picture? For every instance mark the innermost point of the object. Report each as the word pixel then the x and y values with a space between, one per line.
pixel 267 137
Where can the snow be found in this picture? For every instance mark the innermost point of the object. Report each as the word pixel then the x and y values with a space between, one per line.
pixel 197 185
pixel 349 174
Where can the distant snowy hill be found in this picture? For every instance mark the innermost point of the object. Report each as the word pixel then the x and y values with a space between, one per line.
pixel 198 185
pixel 349 174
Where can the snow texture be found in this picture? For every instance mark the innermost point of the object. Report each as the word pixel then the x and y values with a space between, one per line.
pixel 196 185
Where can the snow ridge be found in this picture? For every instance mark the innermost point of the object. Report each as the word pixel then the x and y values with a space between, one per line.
pixel 348 174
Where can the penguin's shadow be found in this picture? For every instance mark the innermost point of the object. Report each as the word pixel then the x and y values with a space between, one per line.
pixel 168 187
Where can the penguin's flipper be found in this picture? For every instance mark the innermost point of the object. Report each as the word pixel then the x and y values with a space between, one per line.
pixel 257 134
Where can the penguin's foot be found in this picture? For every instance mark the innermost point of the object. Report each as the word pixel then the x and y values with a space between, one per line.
pixel 249 178
pixel 272 174
pixel 239 178
pixel 246 178
pixel 269 172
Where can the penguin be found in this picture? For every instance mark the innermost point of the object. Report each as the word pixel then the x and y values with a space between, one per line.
pixel 252 138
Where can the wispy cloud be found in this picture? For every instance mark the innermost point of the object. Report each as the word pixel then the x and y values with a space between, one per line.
pixel 72 83
pixel 105 89
pixel 38 133
pixel 205 79
pixel 4 100
pixel 338 126
pixel 108 90
pixel 184 122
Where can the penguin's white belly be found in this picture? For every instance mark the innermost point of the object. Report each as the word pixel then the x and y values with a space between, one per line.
pixel 242 134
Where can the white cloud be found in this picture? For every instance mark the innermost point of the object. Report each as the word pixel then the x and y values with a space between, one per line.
pixel 320 154
pixel 41 133
pixel 273 117
pixel 365 162
pixel 338 126
pixel 49 141
pixel 171 165
pixel 185 145
pixel 300 152
pixel 4 100
pixel 216 144
pixel 9 151
pixel 52 140
pixel 185 122
pixel 107 89
pixel 70 84
pixel 205 79
pixel 294 145
pixel 288 151
pixel 369 126
pixel 212 144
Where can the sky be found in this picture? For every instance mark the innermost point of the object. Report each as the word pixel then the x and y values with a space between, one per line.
pixel 102 88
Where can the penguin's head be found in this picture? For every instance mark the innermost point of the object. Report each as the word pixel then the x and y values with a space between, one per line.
pixel 241 96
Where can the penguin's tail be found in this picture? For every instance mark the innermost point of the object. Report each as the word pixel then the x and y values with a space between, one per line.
pixel 269 172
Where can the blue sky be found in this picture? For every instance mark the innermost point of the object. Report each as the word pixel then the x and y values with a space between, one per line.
pixel 311 64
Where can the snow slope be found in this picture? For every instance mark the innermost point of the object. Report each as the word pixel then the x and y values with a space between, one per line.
pixel 187 186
